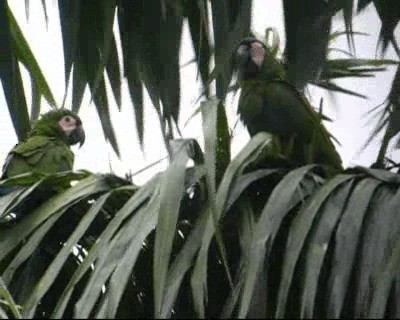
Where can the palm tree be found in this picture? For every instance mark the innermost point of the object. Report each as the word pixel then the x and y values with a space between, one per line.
pixel 212 235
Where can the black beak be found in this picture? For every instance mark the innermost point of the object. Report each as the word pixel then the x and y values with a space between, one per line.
pixel 78 135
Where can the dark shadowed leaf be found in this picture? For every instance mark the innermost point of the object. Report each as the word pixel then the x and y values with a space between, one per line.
pixel 248 155
pixel 328 85
pixel 173 179
pixel 196 13
pixel 344 256
pixel 10 76
pixel 69 13
pixel 384 283
pixel 87 40
pixel 318 243
pixel 101 249
pixel 25 55
pixel 358 68
pixel 389 12
pixel 388 118
pixel 231 21
pixel 58 262
pixel 380 230
pixel 129 15
pixel 10 239
pixel 298 235
pixel 315 20
pixel 245 180
pixel 184 259
pixel 362 4
pixel 169 47
pixel 36 99
pixel 122 248
pixel 267 226
pixel 217 157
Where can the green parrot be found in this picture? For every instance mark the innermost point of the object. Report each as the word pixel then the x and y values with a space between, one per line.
pixel 46 151
pixel 268 103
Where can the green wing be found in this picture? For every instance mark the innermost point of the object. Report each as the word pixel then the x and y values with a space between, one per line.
pixel 277 107
pixel 38 154
pixel 271 106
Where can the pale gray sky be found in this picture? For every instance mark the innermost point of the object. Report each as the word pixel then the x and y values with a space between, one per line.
pixel 96 155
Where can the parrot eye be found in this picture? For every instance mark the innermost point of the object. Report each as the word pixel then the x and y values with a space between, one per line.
pixel 68 119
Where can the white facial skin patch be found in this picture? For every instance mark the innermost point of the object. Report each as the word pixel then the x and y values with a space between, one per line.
pixel 68 124
pixel 257 53
pixel 72 129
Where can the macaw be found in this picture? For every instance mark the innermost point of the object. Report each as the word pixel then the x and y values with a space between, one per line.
pixel 268 103
pixel 46 150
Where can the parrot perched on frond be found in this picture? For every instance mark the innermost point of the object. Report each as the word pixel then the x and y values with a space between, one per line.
pixel 45 151
pixel 268 103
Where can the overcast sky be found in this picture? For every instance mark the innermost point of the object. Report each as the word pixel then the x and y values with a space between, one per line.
pixel 349 126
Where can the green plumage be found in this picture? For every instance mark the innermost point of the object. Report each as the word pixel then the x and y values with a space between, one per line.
pixel 268 103
pixel 47 149
pixel 39 154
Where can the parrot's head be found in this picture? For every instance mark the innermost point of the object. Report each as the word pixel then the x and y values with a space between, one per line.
pixel 249 56
pixel 63 124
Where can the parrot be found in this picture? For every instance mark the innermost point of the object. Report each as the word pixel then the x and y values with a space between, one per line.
pixel 269 103
pixel 45 151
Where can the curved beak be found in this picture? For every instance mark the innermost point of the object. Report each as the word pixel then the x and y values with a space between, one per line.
pixel 78 135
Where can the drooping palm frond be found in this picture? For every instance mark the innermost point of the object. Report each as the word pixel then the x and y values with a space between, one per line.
pixel 150 52
pixel 389 13
pixel 350 68
pixel 15 50
pixel 388 119
pixel 296 243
